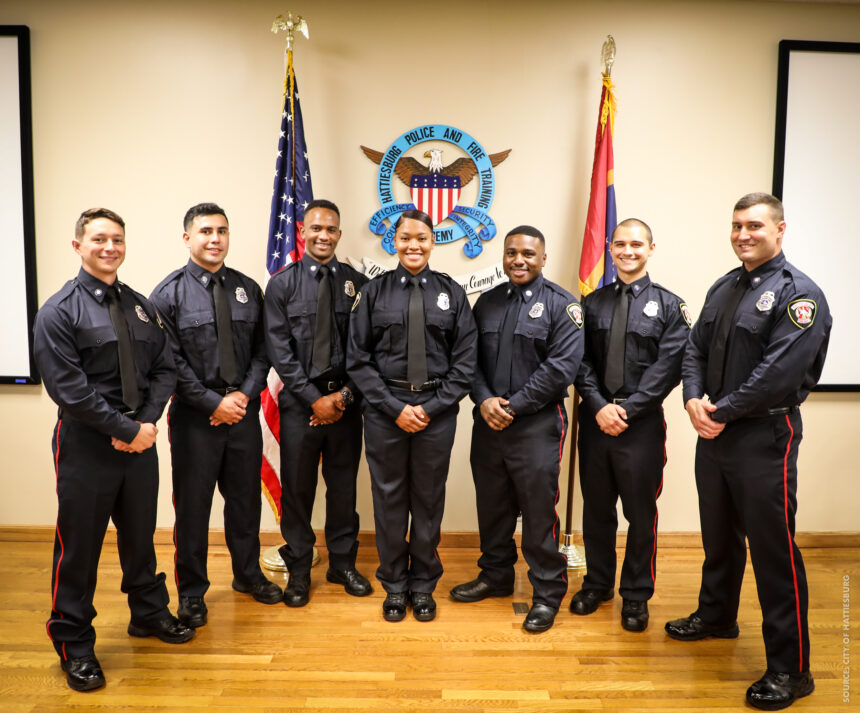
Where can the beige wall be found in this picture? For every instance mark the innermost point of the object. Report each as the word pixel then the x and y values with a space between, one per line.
pixel 149 108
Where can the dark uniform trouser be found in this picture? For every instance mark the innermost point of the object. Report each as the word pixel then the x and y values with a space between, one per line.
pixel 747 483
pixel 95 483
pixel 203 456
pixel 516 470
pixel 629 466
pixel 339 445
pixel 408 472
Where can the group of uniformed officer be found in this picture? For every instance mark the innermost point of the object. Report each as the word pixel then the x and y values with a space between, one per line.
pixel 402 350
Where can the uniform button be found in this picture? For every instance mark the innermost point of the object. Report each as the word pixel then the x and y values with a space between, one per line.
pixel 755 328
pixel 98 341
pixel 643 332
pixel 196 322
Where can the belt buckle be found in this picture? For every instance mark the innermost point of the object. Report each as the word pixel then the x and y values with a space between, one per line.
pixel 230 390
pixel 415 388
pixel 619 401
pixel 332 386
pixel 130 414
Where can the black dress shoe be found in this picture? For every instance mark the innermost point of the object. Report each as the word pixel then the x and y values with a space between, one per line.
pixel 394 606
pixel 540 618
pixel 353 581
pixel 423 606
pixel 297 593
pixel 83 673
pixel 586 601
pixel 264 591
pixel 634 615
pixel 169 629
pixel 692 628
pixel 192 611
pixel 478 589
pixel 775 691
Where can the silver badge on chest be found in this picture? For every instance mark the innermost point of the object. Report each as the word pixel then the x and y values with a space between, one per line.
pixel 241 295
pixel 765 302
pixel 349 288
pixel 651 309
pixel 141 314
pixel 442 301
pixel 536 310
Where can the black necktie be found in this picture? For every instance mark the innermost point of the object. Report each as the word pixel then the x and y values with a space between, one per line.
pixel 720 339
pixel 416 351
pixel 502 374
pixel 614 378
pixel 322 328
pixel 224 324
pixel 127 371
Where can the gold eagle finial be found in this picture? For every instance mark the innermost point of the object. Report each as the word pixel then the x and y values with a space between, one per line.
pixel 290 24
pixel 607 55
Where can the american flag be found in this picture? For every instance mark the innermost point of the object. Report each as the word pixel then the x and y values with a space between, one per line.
pixel 290 196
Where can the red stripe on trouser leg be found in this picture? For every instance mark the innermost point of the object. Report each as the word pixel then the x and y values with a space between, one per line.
pixel 791 544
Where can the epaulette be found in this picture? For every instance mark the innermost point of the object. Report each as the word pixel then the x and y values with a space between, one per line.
pixel 167 280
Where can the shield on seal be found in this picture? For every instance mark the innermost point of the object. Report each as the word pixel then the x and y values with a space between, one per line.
pixel 436 194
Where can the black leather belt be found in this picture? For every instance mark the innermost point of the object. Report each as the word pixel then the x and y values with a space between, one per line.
pixel 329 386
pixel 223 391
pixel 781 411
pixel 431 385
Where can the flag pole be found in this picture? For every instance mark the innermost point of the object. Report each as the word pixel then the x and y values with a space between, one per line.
pixel 271 558
pixel 574 554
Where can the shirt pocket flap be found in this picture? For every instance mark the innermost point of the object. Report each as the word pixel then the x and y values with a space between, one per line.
pixel 192 320
pixel 95 336
pixel 532 330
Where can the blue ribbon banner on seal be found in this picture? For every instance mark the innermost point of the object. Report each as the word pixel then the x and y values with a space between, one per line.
pixel 435 189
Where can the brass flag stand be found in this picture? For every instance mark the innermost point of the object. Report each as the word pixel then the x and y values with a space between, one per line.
pixel 271 558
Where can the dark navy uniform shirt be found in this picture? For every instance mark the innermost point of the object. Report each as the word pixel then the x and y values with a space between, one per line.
pixel 657 333
pixel 547 348
pixel 378 333
pixel 777 343
pixel 75 347
pixel 184 300
pixel 291 312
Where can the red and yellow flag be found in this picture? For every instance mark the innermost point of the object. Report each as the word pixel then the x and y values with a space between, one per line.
pixel 595 265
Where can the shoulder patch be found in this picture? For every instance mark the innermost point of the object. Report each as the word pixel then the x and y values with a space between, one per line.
pixel 802 312
pixel 686 314
pixel 574 311
pixel 355 303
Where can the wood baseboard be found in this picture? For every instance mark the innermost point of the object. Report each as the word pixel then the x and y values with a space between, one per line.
pixel 452 539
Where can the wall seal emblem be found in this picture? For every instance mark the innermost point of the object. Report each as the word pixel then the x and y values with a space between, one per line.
pixel 436 188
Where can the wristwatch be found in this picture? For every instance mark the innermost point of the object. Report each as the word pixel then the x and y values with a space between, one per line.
pixel 347 397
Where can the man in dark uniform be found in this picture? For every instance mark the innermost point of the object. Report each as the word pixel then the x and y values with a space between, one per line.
pixel 106 363
pixel 412 348
pixel 214 318
pixel 635 333
pixel 757 350
pixel 307 317
pixel 529 351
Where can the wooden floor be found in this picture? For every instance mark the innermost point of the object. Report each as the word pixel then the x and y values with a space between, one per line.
pixel 337 654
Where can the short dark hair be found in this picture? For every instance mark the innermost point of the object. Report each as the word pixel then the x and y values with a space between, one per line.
pixel 322 203
pixel 419 215
pixel 526 230
pixel 632 222
pixel 202 209
pixel 750 199
pixel 88 216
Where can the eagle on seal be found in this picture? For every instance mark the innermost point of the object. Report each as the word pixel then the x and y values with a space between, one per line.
pixel 463 168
